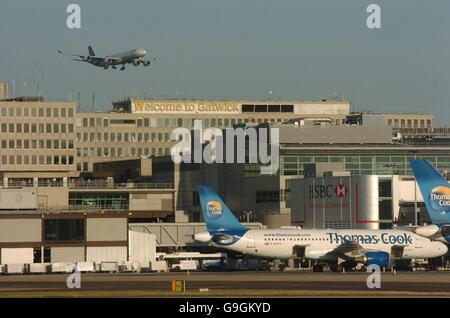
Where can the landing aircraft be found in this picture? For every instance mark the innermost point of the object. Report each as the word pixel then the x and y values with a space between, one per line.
pixel 436 195
pixel 340 249
pixel 134 57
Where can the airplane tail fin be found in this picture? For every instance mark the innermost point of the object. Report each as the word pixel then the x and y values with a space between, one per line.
pixel 218 217
pixel 435 190
pixel 91 51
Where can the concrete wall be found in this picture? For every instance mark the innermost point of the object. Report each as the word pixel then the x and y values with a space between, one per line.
pixel 106 229
pixel 20 230
pixel 16 255
pixel 150 201
pixel 106 254
pixel 334 134
pixel 53 197
pixel 275 221
pixel 327 107
pixel 67 254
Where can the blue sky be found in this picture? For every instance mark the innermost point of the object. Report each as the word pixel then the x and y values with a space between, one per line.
pixel 236 49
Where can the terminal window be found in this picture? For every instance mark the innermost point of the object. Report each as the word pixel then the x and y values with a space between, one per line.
pixel 63 230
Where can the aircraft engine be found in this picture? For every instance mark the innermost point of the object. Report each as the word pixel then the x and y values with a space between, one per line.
pixel 107 60
pixel 377 258
pixel 136 62
pixel 87 58
pixel 146 63
pixel 202 237
pixel 427 230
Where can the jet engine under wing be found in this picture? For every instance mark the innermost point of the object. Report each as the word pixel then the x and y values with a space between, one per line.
pixel 352 251
pixel 105 59
pixel 348 249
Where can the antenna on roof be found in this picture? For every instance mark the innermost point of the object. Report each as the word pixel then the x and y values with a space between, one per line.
pixel 78 101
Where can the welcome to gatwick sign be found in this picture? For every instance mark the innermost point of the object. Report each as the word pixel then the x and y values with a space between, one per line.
pixel 145 107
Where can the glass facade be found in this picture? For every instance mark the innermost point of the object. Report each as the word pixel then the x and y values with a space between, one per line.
pixel 64 230
pixel 363 164
pixel 109 201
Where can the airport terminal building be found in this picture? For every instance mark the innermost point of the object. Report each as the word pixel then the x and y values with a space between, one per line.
pixel 78 170
pixel 136 128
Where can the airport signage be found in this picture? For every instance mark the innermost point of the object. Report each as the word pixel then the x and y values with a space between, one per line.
pixel 148 107
pixel 320 191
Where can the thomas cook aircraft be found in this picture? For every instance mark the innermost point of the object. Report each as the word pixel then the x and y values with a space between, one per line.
pixel 134 57
pixel 337 248
pixel 436 195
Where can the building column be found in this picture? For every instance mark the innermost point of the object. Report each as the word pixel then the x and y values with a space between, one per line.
pixel 65 182
pixel 5 182
pixel 35 182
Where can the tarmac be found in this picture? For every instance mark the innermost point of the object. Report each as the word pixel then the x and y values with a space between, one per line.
pixel 228 284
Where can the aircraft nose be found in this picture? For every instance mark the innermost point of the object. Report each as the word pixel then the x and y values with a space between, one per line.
pixel 441 248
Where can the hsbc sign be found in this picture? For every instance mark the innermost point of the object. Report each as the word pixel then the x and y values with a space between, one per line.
pixel 340 190
pixel 321 191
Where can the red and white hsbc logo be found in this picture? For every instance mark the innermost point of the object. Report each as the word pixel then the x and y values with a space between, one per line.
pixel 320 191
pixel 340 190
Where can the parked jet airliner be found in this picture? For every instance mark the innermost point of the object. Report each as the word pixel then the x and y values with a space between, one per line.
pixel 436 195
pixel 338 248
pixel 134 57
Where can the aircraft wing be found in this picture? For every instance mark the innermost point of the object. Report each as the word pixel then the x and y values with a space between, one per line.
pixel 91 58
pixel 349 249
pixel 352 249
pixel 71 54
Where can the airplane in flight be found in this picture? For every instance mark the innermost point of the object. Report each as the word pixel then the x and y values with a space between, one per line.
pixel 436 195
pixel 340 249
pixel 134 57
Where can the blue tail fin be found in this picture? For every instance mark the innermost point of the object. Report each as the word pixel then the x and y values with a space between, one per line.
pixel 217 215
pixel 91 51
pixel 435 191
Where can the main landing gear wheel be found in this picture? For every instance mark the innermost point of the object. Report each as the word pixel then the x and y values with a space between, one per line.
pixel 317 268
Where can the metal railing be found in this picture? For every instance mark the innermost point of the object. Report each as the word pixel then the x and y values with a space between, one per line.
pixel 94 184
pixel 405 143
pixel 100 184
pixel 423 131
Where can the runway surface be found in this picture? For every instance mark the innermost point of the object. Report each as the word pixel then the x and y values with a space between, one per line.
pixel 229 283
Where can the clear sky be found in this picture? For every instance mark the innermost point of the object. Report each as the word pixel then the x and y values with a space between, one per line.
pixel 308 49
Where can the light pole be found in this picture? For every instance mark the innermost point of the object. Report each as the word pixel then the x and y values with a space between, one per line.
pixel 415 194
pixel 248 213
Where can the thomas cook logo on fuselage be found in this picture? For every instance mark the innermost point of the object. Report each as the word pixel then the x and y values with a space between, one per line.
pixel 439 199
pixel 214 209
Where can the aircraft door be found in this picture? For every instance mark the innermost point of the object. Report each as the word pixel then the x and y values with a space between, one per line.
pixel 250 240
pixel 419 242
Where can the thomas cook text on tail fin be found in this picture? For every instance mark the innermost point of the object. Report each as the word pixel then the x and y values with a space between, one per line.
pixel 217 215
pixel 435 190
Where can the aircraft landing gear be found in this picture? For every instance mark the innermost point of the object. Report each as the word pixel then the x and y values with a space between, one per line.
pixel 105 67
pixel 317 268
pixel 337 268
pixel 114 67
pixel 123 67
